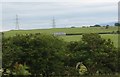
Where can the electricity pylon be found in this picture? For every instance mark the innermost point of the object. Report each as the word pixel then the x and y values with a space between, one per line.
pixel 53 23
pixel 17 23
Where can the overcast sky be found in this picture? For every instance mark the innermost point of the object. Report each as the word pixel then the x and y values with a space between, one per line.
pixel 38 15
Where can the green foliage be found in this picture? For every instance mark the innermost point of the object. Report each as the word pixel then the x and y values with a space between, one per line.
pixel 48 55
pixel 107 26
pixel 117 24
pixel 40 52
pixel 97 25
pixel 102 53
pixel 96 53
pixel 82 68
pixel 20 69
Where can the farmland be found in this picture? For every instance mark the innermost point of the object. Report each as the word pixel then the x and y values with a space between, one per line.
pixel 113 37
pixel 66 30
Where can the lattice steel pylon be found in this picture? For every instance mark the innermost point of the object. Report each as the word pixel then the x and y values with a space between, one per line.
pixel 53 23
pixel 17 23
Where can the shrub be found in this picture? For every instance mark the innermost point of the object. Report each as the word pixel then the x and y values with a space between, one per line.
pixel 42 53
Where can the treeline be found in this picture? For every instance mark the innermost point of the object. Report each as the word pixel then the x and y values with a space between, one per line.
pixel 113 32
pixel 97 25
pixel 47 55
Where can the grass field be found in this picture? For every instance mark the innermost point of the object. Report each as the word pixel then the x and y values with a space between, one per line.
pixel 66 30
pixel 113 37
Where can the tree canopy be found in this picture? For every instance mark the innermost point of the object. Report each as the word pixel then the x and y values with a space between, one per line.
pixel 49 55
pixel 40 52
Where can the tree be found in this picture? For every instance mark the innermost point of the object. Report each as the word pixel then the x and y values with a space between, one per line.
pixel 49 55
pixel 96 53
pixel 117 24
pixel 42 53
pixel 107 26
pixel 97 25
pixel 102 53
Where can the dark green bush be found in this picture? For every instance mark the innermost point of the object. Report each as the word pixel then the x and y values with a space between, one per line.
pixel 42 53
pixel 49 55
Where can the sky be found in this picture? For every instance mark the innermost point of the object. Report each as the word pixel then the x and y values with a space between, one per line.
pixel 39 14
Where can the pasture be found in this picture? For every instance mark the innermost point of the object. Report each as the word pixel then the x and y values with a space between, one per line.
pixel 113 37
pixel 66 30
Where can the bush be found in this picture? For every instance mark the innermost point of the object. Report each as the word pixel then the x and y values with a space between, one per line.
pixel 42 53
pixel 97 54
pixel 49 55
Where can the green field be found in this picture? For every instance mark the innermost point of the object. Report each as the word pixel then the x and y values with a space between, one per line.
pixel 66 30
pixel 113 37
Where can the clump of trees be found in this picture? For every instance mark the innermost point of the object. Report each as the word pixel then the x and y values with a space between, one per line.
pixel 96 25
pixel 107 26
pixel 97 54
pixel 41 53
pixel 49 55
pixel 117 24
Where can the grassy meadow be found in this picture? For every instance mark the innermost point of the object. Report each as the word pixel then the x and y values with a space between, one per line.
pixel 113 37
pixel 66 30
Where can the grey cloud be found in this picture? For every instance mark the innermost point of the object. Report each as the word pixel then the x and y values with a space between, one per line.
pixel 32 14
